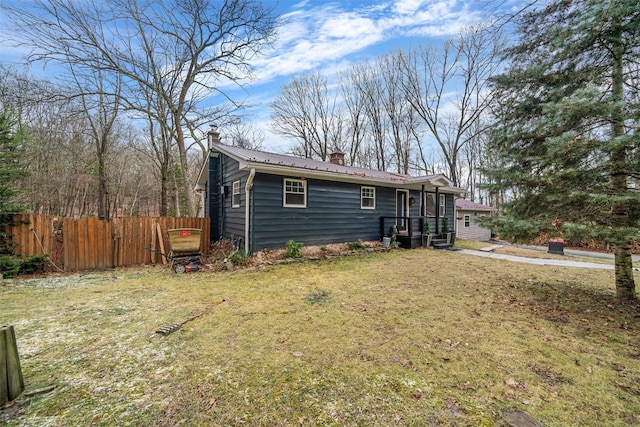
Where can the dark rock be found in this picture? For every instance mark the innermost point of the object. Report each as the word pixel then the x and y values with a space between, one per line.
pixel 517 418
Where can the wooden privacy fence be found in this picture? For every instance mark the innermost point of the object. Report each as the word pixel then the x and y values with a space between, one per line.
pixel 90 243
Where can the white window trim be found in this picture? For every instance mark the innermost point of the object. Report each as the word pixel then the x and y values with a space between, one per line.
pixel 284 193
pixel 362 198
pixel 234 193
pixel 443 206
pixel 467 221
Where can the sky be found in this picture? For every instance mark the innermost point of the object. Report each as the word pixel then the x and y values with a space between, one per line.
pixel 330 36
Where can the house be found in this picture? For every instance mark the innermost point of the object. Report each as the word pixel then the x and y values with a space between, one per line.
pixel 466 220
pixel 263 200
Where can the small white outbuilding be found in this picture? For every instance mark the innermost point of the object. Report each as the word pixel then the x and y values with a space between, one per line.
pixel 467 213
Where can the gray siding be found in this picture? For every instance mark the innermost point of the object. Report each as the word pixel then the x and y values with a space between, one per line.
pixel 212 205
pixel 474 231
pixel 226 221
pixel 332 215
pixel 233 218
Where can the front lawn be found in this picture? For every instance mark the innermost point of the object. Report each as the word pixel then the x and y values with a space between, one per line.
pixel 408 338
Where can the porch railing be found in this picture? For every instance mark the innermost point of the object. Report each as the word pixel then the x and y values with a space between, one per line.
pixel 408 225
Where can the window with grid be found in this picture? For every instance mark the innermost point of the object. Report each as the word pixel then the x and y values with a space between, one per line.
pixel 443 201
pixel 235 198
pixel 295 193
pixel 367 198
pixel 467 221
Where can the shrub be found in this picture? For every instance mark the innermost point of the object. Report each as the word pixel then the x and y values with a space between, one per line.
pixel 239 257
pixel 293 249
pixel 12 265
pixel 9 265
pixel 355 246
pixel 34 264
pixel 394 242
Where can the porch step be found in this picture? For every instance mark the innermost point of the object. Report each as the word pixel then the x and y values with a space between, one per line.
pixel 440 243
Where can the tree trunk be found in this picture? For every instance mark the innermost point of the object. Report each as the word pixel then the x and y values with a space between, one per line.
pixel 625 285
pixel 164 211
pixel 184 167
pixel 103 210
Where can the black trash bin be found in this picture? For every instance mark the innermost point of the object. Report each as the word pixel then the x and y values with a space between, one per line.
pixel 556 246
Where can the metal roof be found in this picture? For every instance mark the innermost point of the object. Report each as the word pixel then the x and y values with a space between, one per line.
pixel 282 164
pixel 469 205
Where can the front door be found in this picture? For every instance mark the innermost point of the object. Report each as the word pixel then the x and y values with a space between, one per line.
pixel 402 209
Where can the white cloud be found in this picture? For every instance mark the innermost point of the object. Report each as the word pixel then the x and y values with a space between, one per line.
pixel 408 6
pixel 315 36
pixel 328 37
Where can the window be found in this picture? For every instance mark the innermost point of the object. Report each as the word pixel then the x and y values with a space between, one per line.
pixel 430 203
pixel 235 199
pixel 467 221
pixel 367 198
pixel 442 205
pixel 295 193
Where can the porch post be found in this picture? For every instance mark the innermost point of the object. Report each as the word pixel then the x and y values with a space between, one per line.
pixel 437 210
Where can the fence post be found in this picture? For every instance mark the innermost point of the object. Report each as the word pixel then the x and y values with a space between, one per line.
pixel 11 380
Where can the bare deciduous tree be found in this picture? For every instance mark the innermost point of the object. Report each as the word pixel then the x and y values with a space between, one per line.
pixel 100 108
pixel 308 111
pixel 182 50
pixel 448 89
pixel 244 135
pixel 62 176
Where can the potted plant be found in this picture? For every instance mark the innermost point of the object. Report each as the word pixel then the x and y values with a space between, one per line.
pixel 446 232
pixel 426 233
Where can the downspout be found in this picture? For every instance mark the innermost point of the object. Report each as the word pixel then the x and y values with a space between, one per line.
pixel 247 191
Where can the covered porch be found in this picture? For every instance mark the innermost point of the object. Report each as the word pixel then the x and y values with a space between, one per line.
pixel 420 202
pixel 409 235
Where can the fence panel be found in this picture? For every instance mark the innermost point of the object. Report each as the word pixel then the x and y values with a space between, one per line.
pixel 90 243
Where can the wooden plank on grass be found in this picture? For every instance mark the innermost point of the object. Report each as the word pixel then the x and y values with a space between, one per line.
pixel 161 243
pixel 4 384
pixel 15 381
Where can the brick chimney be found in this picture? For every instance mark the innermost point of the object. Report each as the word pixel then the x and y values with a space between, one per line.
pixel 213 136
pixel 337 157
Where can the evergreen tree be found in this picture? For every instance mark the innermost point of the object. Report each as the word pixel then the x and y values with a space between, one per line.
pixel 567 129
pixel 10 171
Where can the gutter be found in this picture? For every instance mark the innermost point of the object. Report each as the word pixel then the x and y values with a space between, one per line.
pixel 247 191
pixel 399 182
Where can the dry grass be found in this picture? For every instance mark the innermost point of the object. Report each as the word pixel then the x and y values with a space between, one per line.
pixel 418 337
